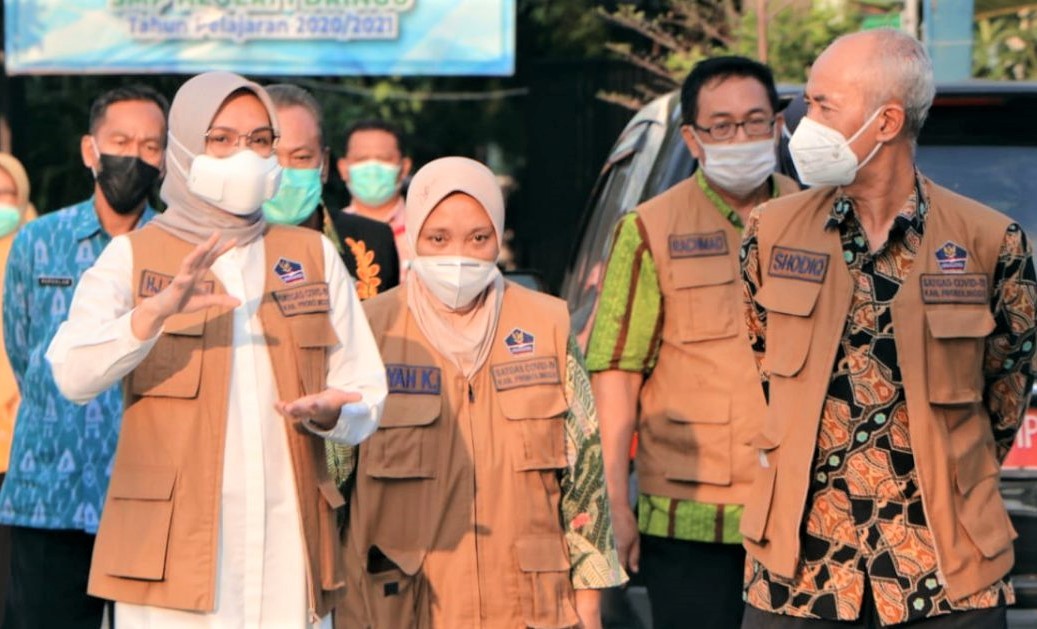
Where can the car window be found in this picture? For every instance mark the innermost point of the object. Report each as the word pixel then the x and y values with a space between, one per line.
pixel 1002 177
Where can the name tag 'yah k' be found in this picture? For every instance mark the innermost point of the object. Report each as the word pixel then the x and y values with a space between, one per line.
pixel 698 245
pixel 797 264
pixel 414 379
pixel 49 280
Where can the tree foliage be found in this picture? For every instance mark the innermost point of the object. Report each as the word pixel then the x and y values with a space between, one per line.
pixel 671 40
pixel 1005 45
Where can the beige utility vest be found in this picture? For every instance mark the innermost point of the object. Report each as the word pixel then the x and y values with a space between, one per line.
pixel 703 403
pixel 157 543
pixel 459 486
pixel 941 319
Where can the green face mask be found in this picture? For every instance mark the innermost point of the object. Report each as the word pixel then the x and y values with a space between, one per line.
pixel 9 219
pixel 297 197
pixel 373 182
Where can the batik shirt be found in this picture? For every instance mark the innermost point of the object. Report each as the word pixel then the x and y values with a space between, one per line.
pixel 864 516
pixel 626 337
pixel 62 453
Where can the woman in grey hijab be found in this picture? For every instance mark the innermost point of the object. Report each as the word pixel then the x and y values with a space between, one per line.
pixel 230 337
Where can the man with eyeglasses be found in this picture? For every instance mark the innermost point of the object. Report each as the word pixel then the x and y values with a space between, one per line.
pixel 670 357
pixel 61 454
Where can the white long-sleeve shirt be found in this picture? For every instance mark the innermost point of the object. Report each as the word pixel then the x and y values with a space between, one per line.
pixel 261 579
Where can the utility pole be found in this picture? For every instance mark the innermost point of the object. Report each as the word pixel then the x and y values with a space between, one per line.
pixel 761 30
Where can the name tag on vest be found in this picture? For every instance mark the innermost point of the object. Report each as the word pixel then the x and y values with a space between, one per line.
pixel 526 373
pixel 967 288
pixel 62 282
pixel 796 264
pixel 698 245
pixel 153 282
pixel 416 379
pixel 306 299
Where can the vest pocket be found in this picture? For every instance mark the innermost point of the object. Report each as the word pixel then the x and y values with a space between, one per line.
pixel 707 299
pixel 314 337
pixel 397 598
pixel 696 441
pixel 954 353
pixel 329 499
pixel 789 304
pixel 404 445
pixel 173 367
pixel 758 505
pixel 978 501
pixel 545 587
pixel 539 413
pixel 137 518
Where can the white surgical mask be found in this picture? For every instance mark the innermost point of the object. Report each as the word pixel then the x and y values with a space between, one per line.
pixel 822 155
pixel 740 167
pixel 454 280
pixel 238 184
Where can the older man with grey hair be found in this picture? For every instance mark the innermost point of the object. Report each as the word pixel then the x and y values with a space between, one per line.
pixel 893 324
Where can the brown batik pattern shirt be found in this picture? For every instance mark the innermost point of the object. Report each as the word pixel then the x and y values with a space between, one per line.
pixel 865 520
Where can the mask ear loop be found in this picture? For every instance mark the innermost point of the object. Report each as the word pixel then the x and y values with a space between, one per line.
pixel 172 157
pixel 878 146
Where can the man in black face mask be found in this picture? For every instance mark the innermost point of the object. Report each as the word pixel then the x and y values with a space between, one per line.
pixel 61 452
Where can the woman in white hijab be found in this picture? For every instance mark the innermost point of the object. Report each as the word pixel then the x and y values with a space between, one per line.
pixel 220 512
pixel 480 501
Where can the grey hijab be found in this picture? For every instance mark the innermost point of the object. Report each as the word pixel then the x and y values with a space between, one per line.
pixel 195 105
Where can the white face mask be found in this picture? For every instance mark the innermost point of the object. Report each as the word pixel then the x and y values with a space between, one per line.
pixel 238 184
pixel 822 155
pixel 741 167
pixel 454 280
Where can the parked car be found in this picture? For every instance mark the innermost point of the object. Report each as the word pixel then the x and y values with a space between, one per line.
pixel 980 140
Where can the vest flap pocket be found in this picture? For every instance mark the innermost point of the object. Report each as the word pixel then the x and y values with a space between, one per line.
pixel 536 402
pixel 693 272
pixel 331 493
pixel 136 523
pixel 173 367
pixel 186 324
pixel 545 588
pixel 143 483
pixel 541 553
pixel 707 407
pixel 404 446
pixel 959 322
pixel 314 331
pixel 403 410
pixel 758 506
pixel 790 297
pixel 703 454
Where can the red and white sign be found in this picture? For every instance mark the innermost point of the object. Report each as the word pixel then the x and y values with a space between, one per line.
pixel 1023 454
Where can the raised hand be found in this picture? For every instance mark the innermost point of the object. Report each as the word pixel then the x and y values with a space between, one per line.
pixel 320 410
pixel 185 293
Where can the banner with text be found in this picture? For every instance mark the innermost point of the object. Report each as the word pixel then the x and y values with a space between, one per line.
pixel 266 37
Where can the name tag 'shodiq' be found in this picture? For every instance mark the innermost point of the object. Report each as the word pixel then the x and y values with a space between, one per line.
pixel 797 264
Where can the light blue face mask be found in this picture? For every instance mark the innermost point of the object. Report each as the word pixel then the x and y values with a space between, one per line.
pixel 9 219
pixel 373 182
pixel 296 198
